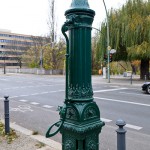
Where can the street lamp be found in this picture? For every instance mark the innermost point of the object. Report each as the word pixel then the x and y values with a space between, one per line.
pixel 108 47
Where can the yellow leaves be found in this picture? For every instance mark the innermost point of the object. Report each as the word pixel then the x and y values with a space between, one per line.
pixel 148 18
pixel 145 48
pixel 139 51
pixel 113 17
pixel 135 21
pixel 9 138
pixel 136 63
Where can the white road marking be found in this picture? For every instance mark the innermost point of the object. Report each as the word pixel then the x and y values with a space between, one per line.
pixel 34 94
pixel 47 92
pixel 6 89
pixel 127 125
pixel 4 79
pixel 21 108
pixel 51 92
pixel 30 86
pixel 114 86
pixel 23 100
pixel 134 94
pixel 47 106
pixel 106 120
pixel 107 90
pixel 22 95
pixel 120 101
pixel 61 90
pixel 34 103
pixel 133 127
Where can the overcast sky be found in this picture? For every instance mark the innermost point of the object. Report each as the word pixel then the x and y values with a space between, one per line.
pixel 30 16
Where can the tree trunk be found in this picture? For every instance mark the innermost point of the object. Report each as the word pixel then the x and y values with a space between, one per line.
pixel 144 69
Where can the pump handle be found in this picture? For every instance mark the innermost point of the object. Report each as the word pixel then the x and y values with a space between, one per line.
pixel 48 134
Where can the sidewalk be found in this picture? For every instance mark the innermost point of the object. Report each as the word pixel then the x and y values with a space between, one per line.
pixel 27 141
pixel 120 80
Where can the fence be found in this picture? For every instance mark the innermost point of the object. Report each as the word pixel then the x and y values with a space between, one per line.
pixel 33 71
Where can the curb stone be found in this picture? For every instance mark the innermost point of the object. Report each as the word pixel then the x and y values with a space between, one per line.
pixel 50 144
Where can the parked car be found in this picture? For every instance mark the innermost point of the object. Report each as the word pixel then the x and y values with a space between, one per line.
pixel 146 87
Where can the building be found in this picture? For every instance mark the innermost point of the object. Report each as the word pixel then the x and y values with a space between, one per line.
pixel 12 46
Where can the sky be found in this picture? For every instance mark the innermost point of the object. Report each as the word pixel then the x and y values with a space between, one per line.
pixel 31 16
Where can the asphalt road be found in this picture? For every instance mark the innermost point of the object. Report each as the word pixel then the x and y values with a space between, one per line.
pixel 34 100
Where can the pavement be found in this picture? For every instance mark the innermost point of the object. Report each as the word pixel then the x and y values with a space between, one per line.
pixel 26 139
pixel 125 81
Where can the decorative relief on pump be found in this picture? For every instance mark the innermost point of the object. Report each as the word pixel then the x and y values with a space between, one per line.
pixel 91 142
pixel 96 126
pixel 71 114
pixel 90 113
pixel 92 145
pixel 69 145
pixel 78 92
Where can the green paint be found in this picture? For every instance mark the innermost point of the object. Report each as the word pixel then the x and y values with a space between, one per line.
pixel 80 122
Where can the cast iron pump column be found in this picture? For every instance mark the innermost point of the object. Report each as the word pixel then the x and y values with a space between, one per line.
pixel 80 122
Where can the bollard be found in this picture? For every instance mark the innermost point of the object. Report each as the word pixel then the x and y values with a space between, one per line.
pixel 121 143
pixel 6 112
pixel 145 78
pixel 131 78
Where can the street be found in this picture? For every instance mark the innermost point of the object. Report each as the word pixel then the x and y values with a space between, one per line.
pixel 34 100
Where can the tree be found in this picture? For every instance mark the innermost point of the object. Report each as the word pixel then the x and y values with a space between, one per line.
pixel 95 57
pixel 51 51
pixel 32 56
pixel 52 24
pixel 29 57
pixel 130 34
pixel 37 47
pixel 54 56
